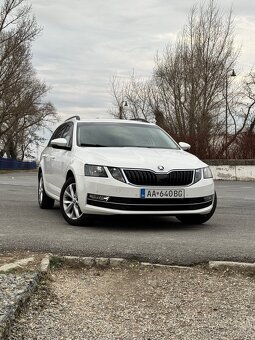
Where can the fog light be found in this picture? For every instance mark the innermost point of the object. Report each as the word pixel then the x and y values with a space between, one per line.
pixel 98 197
pixel 208 198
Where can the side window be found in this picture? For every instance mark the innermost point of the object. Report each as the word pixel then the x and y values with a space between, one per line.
pixel 64 131
pixel 57 133
pixel 68 134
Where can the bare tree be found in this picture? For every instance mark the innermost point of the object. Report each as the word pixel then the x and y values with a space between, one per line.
pixel 118 91
pixel 241 137
pixel 17 28
pixel 186 93
pixel 136 94
pixel 22 104
pixel 190 77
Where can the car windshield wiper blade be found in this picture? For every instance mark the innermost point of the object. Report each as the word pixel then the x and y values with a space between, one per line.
pixel 94 145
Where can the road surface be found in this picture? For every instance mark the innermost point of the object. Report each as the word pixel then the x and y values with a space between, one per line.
pixel 229 235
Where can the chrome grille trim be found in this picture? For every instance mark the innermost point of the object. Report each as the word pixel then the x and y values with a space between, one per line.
pixel 142 177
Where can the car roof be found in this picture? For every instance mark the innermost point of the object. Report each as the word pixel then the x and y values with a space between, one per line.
pixel 110 120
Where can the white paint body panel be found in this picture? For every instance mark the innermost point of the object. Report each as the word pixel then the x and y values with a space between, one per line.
pixel 55 164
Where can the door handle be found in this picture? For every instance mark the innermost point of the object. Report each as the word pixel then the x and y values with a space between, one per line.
pixel 52 157
pixel 44 155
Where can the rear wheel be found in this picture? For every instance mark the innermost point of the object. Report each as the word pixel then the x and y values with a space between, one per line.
pixel 69 204
pixel 199 218
pixel 45 202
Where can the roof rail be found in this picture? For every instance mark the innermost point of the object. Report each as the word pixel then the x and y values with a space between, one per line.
pixel 76 117
pixel 140 120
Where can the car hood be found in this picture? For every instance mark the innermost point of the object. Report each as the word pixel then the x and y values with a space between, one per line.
pixel 145 158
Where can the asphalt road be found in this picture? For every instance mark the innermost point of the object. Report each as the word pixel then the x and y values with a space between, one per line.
pixel 229 235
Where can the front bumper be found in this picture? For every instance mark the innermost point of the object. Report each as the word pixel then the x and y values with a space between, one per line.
pixel 138 204
pixel 125 198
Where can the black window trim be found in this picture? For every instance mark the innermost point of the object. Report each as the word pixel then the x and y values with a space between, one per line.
pixel 62 127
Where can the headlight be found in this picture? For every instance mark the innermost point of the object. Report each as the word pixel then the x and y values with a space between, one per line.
pixel 198 175
pixel 207 172
pixel 116 174
pixel 94 170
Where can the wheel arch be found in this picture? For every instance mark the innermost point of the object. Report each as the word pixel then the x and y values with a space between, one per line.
pixel 70 174
pixel 39 171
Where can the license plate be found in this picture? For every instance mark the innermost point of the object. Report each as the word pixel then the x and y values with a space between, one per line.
pixel 162 193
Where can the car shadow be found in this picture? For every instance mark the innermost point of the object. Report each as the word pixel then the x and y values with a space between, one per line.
pixel 132 222
pixel 140 223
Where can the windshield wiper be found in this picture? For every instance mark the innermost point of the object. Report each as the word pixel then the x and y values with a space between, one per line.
pixel 94 145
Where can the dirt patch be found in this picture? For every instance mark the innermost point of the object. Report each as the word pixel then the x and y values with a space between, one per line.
pixel 140 303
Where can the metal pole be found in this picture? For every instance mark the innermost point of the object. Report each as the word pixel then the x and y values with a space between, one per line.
pixel 233 74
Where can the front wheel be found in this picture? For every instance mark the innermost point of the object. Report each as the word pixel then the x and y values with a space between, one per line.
pixel 69 204
pixel 199 218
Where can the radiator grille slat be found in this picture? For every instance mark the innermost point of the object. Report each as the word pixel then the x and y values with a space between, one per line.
pixel 146 177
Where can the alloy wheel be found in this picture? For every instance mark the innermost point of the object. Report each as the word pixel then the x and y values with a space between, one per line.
pixel 40 190
pixel 70 202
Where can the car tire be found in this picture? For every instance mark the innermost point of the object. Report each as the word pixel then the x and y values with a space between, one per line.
pixel 199 218
pixel 45 202
pixel 69 204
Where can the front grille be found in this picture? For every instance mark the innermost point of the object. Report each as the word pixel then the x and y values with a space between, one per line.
pixel 146 177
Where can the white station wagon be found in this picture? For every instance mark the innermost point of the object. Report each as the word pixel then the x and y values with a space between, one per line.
pixel 123 167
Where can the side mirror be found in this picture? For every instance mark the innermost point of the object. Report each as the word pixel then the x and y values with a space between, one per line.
pixel 59 142
pixel 185 146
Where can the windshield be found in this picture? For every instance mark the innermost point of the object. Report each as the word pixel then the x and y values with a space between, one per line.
pixel 123 135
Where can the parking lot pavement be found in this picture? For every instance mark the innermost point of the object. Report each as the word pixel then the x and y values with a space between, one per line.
pixel 193 304
pixel 19 178
pixel 229 235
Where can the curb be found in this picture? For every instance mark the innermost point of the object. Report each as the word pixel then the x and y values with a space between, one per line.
pixel 8 318
pixel 14 265
pixel 228 265
pixel 45 264
pixel 106 262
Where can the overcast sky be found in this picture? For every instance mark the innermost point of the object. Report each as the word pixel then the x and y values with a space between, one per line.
pixel 85 42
